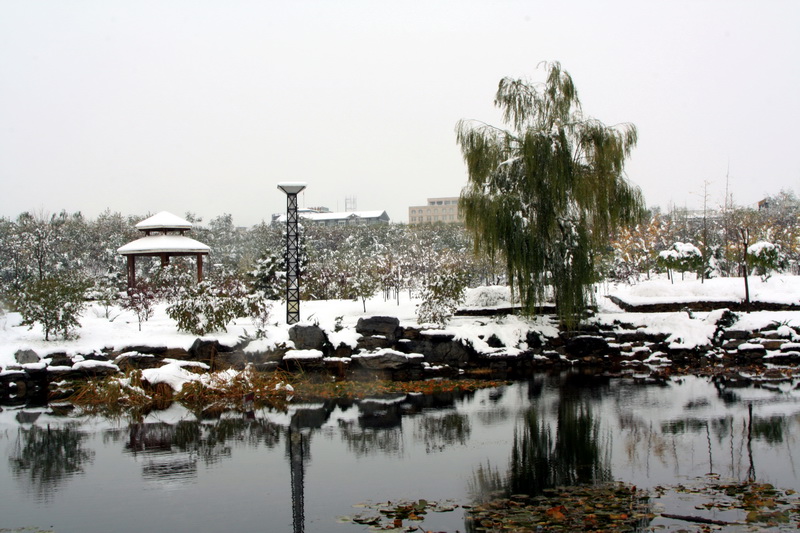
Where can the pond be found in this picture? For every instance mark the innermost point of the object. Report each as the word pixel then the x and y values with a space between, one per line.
pixel 310 468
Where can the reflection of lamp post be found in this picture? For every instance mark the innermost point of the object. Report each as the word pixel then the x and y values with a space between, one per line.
pixel 298 453
pixel 292 251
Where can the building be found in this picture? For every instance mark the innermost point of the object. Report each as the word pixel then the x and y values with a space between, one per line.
pixel 321 215
pixel 437 210
pixel 163 238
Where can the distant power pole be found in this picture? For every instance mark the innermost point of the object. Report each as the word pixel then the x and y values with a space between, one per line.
pixel 292 251
pixel 350 204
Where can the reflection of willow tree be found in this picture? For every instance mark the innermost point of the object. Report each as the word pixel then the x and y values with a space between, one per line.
pixel 438 432
pixel 575 455
pixel 45 457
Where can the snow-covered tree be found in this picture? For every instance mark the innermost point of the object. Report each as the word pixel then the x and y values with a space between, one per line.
pixel 682 256
pixel 766 257
pixel 55 303
pixel 210 305
pixel 549 191
pixel 141 299
pixel 441 294
pixel 268 275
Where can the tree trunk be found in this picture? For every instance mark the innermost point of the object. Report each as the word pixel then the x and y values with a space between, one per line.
pixel 745 242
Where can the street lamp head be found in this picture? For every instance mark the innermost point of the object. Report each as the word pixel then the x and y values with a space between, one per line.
pixel 291 187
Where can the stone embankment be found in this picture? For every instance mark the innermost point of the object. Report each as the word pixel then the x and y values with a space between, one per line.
pixel 386 349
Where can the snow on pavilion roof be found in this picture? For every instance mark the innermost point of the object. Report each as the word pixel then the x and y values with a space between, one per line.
pixel 157 244
pixel 164 221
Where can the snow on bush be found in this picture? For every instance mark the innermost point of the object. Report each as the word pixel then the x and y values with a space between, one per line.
pixel 488 296
pixel 766 257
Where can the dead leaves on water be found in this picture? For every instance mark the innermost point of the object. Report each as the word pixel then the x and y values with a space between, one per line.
pixel 606 507
pixel 619 507
pixel 402 515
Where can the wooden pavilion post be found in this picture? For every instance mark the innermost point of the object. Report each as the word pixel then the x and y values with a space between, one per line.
pixel 131 271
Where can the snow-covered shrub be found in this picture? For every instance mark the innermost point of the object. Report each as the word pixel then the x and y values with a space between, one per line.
pixel 491 296
pixel 211 304
pixel 140 299
pixel 681 256
pixel 170 281
pixel 268 275
pixel 105 291
pixel 766 257
pixel 441 294
pixel 259 309
pixel 54 302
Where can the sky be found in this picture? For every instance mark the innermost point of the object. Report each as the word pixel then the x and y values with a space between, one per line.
pixel 205 106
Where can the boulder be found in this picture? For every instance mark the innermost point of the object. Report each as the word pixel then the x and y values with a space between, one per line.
pixel 204 350
pixel 386 326
pixel 307 337
pixel 386 360
pixel 25 357
pixel 586 345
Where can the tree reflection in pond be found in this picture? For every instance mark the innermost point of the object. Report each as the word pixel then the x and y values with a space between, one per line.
pixel 576 454
pixel 45 457
pixel 438 432
pixel 368 441
pixel 549 451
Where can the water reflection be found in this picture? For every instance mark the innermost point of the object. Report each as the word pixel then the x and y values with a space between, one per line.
pixel 43 458
pixel 571 452
pixel 554 430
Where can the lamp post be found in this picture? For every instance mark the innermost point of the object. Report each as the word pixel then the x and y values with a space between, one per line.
pixel 292 251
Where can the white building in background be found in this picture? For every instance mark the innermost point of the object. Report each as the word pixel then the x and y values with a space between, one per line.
pixel 437 210
pixel 322 215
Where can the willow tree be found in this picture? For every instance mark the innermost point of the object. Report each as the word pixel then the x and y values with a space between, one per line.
pixel 548 190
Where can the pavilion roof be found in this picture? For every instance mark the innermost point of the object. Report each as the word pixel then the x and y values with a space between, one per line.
pixel 157 244
pixel 164 221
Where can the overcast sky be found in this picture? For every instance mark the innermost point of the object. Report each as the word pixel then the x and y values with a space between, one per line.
pixel 205 106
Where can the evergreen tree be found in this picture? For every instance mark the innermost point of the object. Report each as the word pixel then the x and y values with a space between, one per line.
pixel 548 192
pixel 55 303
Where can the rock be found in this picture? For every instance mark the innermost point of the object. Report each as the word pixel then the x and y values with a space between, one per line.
pixel 771 344
pixel 386 360
pixel 25 357
pixel 494 342
pixel 374 343
pixel 59 359
pixel 378 325
pixel 307 337
pixel 586 345
pixel 204 351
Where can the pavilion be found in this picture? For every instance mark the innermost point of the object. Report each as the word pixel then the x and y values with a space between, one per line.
pixel 164 238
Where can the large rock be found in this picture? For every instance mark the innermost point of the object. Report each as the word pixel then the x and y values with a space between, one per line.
pixel 25 357
pixel 586 345
pixel 386 326
pixel 204 350
pixel 307 337
pixel 387 360
pixel 440 349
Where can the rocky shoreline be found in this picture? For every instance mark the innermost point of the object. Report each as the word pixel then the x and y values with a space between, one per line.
pixel 385 349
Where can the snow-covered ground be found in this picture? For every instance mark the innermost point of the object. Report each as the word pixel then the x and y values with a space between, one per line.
pixel 122 328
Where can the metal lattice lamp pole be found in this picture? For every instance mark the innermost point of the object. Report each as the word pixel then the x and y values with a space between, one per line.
pixel 292 251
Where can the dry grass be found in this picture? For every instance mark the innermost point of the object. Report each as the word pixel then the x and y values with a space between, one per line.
pixel 248 390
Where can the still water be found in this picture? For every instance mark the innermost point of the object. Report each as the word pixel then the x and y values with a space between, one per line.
pixel 300 470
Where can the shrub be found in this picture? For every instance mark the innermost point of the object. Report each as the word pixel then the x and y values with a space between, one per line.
pixel 681 256
pixel 441 295
pixel 54 302
pixel 766 257
pixel 140 299
pixel 210 305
